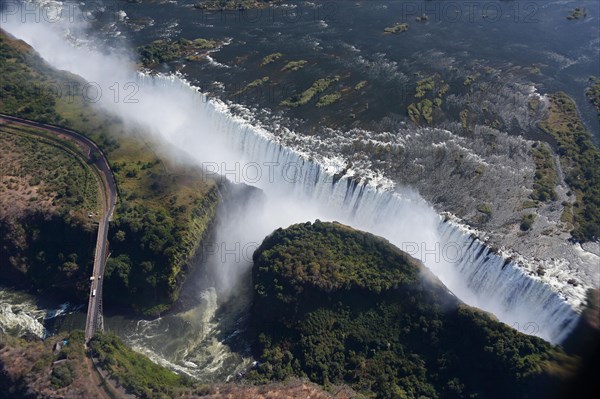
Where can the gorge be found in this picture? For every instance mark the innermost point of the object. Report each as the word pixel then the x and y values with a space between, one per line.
pixel 299 185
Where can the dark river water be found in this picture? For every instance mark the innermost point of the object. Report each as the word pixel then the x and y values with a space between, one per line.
pixel 497 41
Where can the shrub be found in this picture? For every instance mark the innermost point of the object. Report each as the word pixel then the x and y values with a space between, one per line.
pixel 527 221
pixel 62 375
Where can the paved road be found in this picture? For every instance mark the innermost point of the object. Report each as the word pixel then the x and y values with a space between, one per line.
pixel 109 191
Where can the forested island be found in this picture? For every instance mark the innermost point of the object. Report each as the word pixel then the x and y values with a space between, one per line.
pixel 240 5
pixel 338 305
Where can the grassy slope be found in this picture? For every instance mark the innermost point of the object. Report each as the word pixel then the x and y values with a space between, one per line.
pixel 163 209
pixel 338 305
pixel 47 191
pixel 40 169
pixel 136 373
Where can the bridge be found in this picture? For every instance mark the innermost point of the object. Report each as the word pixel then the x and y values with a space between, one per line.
pixel 108 189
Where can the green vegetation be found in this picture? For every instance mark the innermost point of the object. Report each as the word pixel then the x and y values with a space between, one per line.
pixel 46 193
pixel 579 158
pixel 567 215
pixel 45 252
pixel 424 86
pixel 304 98
pixel 25 92
pixel 39 167
pixel 528 204
pixel 30 363
pixel 593 93
pixel 485 208
pixel 294 65
pixel 62 375
pixel 469 80
pixel 527 221
pixel 135 372
pixel 161 51
pixel 163 210
pixel 329 99
pixel 428 93
pixel 545 179
pixel 144 240
pixel 413 113
pixel 396 28
pixel 464 118
pixel 577 13
pixel 68 358
pixel 61 366
pixel 534 104
pixel 270 59
pixel 254 84
pixel 360 85
pixel 425 108
pixel 35 368
pixel 219 5
pixel 341 306
pixel 371 263
pixel 257 82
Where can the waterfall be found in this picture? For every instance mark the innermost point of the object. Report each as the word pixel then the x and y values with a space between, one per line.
pixel 503 288
pixel 301 188
pixel 474 272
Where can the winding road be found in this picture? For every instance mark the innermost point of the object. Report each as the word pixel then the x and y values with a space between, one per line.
pixel 101 167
